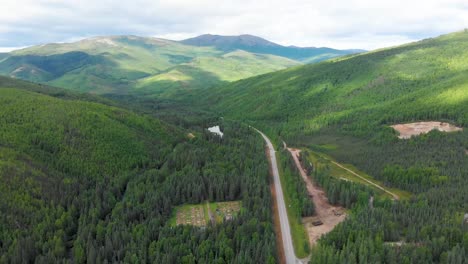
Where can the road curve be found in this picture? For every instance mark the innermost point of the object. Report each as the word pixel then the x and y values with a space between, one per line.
pixel 290 256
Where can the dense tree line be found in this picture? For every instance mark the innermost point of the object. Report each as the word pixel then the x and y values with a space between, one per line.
pixel 427 228
pixel 394 232
pixel 295 186
pixel 341 192
pixel 98 184
pixel 413 179
pixel 298 202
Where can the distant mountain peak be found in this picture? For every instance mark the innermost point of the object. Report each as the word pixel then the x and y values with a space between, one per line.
pixel 260 45
pixel 229 41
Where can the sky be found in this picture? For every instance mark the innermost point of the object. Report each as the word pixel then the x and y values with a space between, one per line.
pixel 357 24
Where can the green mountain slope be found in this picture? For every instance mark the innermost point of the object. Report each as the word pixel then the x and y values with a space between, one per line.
pixel 344 108
pixel 258 45
pixel 422 80
pixel 54 152
pixel 125 64
pixel 209 71
pixel 84 181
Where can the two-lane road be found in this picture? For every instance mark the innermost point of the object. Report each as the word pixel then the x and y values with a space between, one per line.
pixel 290 256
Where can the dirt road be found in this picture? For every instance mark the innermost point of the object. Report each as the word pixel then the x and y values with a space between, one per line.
pixel 396 197
pixel 328 214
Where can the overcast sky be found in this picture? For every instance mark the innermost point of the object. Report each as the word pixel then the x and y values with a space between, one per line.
pixel 366 24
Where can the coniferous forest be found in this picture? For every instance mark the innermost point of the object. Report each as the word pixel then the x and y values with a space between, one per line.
pixel 100 177
pixel 344 108
pixel 97 184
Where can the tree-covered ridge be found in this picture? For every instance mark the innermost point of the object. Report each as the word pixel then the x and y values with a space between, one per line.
pixel 262 46
pixel 92 183
pixel 54 153
pixel 86 138
pixel 425 80
pixel 7 82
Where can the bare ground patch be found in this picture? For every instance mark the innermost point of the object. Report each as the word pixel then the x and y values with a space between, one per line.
pixel 327 216
pixel 202 214
pixel 414 129
pixel 191 215
pixel 225 211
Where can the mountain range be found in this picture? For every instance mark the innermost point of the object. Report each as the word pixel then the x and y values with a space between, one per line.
pixel 256 44
pixel 152 66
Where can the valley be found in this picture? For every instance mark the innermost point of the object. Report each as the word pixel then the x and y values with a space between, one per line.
pixel 126 149
pixel 343 109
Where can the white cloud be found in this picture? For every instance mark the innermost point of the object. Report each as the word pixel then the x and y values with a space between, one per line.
pixel 365 24
pixel 9 49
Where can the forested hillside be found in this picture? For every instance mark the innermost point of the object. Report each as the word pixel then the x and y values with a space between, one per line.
pixel 419 81
pixel 88 182
pixel 344 108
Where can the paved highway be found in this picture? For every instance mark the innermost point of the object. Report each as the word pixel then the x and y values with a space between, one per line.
pixel 283 215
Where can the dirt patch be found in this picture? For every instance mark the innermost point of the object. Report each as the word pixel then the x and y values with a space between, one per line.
pixel 227 210
pixel 202 214
pixel 223 211
pixel 414 129
pixel 327 216
pixel 191 215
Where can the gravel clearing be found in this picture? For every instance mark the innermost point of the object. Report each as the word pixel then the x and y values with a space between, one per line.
pixel 414 129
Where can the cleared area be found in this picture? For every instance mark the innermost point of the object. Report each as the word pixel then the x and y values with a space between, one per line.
pixel 327 216
pixel 205 213
pixel 414 129
pixel 191 215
